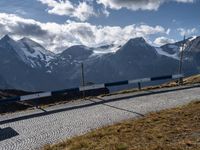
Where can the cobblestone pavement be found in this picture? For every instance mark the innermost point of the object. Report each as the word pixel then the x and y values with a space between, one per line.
pixel 34 128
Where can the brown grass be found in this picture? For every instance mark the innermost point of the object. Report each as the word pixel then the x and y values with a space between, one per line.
pixel 192 79
pixel 172 129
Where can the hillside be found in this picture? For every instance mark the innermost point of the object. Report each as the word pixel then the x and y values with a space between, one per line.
pixel 26 65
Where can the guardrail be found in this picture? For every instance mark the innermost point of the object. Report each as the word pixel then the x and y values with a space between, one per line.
pixel 87 88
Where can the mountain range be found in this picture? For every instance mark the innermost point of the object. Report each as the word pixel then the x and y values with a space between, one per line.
pixel 26 65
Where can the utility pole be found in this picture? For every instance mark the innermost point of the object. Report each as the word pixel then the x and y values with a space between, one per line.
pixel 181 61
pixel 83 78
pixel 82 75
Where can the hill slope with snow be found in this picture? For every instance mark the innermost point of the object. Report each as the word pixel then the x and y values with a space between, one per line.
pixel 27 65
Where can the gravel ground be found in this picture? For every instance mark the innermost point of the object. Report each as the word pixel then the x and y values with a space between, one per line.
pixel 39 127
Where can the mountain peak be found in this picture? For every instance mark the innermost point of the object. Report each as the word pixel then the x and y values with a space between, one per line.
pixel 137 40
pixel 31 44
pixel 77 52
pixel 6 38
pixel 33 47
pixel 27 40
pixel 78 48
pixel 138 48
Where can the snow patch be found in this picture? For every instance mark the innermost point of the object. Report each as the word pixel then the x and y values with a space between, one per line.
pixel 192 38
pixel 161 52
pixel 34 54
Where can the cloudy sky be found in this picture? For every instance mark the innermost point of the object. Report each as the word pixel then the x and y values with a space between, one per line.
pixel 58 24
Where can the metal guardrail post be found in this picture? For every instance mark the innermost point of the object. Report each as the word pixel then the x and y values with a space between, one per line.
pixel 83 78
pixel 139 85
pixel 180 81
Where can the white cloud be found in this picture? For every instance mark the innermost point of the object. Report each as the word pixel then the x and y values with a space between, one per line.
pixel 185 1
pixel 168 31
pixel 105 12
pixel 85 9
pixel 57 37
pixel 81 11
pixel 163 40
pixel 187 32
pixel 138 4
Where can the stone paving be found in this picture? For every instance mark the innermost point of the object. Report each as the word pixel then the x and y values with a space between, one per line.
pixel 35 128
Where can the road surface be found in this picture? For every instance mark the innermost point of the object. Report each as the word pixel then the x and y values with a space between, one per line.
pixel 33 129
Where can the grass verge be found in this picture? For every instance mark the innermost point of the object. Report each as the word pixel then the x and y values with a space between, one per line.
pixel 172 129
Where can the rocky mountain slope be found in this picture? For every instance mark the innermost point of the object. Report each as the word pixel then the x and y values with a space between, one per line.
pixel 26 65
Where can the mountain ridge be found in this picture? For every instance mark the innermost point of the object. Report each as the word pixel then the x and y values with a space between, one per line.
pixel 26 65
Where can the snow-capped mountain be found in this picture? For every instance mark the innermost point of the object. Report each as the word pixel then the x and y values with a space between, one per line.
pixel 16 69
pixel 28 51
pixel 191 44
pixel 34 54
pixel 77 53
pixel 10 45
pixel 173 55
pixel 135 59
pixel 26 65
pixel 191 51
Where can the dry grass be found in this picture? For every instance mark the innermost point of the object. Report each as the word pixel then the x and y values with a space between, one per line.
pixel 172 129
pixel 192 79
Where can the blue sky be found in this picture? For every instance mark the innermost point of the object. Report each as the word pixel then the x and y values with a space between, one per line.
pixel 58 24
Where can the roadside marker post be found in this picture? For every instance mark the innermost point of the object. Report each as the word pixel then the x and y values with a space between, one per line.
pixel 139 85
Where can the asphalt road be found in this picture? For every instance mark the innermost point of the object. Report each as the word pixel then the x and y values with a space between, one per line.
pixel 33 129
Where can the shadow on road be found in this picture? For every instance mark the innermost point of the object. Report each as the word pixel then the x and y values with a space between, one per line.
pixel 144 93
pixel 7 133
pixel 115 107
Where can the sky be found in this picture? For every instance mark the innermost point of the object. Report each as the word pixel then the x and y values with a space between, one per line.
pixel 58 24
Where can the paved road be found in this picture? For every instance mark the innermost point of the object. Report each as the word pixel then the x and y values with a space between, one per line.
pixel 35 128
